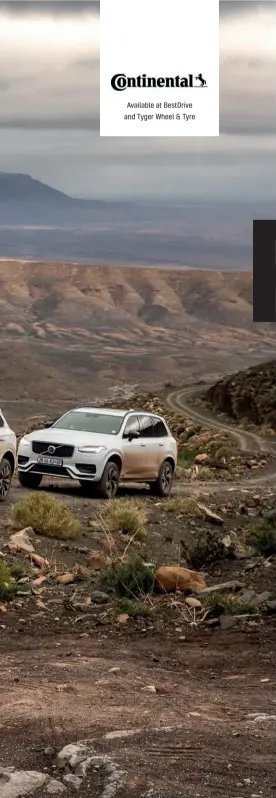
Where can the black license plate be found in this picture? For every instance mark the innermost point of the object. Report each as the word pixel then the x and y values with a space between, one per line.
pixel 50 461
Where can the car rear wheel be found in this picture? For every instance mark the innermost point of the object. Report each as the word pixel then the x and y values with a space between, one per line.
pixel 163 484
pixel 5 478
pixel 29 480
pixel 109 483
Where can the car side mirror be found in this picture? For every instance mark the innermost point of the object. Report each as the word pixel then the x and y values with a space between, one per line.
pixel 49 424
pixel 132 436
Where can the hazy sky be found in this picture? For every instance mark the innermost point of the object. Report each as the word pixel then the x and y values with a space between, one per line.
pixel 49 109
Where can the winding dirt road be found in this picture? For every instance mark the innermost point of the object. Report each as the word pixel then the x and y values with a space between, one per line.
pixel 247 441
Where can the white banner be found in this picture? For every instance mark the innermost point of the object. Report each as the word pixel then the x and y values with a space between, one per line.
pixel 159 68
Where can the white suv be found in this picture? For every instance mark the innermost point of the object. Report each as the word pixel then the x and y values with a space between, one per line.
pixel 7 457
pixel 101 448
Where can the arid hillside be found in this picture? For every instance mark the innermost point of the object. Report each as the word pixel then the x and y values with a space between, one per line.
pixel 249 395
pixel 71 331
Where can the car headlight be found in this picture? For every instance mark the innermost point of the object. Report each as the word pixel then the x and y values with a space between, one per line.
pixel 92 449
pixel 25 442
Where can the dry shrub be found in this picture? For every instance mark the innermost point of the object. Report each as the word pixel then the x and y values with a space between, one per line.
pixel 47 516
pixel 127 516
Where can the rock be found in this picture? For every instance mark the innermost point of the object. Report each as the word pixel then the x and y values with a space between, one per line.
pixel 271 606
pixel 150 688
pixel 82 606
pixel 193 602
pixel 209 515
pixel 248 595
pixel 39 561
pixel 114 735
pixel 99 597
pixel 39 581
pixel 40 604
pixel 202 458
pixel 223 587
pixel 65 579
pixel 123 618
pixel 97 560
pixel 170 578
pixel 54 787
pixel 114 670
pixel 72 755
pixel 262 598
pixel 227 622
pixel 75 781
pixel 18 783
pixel 22 541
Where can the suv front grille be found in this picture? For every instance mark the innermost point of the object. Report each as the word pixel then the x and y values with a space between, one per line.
pixel 61 450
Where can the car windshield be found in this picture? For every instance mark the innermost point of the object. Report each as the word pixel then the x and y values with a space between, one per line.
pixel 104 423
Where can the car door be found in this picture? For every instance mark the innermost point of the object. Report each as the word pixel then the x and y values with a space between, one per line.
pixel 148 447
pixel 132 451
pixel 160 441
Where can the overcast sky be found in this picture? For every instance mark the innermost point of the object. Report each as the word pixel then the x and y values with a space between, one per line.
pixel 49 109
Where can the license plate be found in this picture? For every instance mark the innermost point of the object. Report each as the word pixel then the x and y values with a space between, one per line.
pixel 51 461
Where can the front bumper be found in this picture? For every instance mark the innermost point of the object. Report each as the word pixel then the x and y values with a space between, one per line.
pixel 79 468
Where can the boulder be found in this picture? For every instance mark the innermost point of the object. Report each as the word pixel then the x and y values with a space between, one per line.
pixel 170 578
pixel 223 587
pixel 22 541
pixel 209 515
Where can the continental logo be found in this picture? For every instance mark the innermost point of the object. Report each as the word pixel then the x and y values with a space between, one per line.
pixel 121 82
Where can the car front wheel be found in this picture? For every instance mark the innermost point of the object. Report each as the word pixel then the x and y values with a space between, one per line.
pixel 163 484
pixel 109 483
pixel 5 478
pixel 29 480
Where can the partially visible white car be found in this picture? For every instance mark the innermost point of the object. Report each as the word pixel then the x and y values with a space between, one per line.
pixel 101 448
pixel 7 456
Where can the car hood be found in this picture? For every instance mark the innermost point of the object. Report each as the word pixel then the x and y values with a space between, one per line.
pixel 73 437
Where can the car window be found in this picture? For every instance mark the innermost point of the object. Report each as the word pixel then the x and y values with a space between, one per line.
pixel 1 421
pixel 132 425
pixel 146 428
pixel 159 429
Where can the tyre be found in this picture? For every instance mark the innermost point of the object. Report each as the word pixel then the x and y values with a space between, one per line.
pixel 163 483
pixel 5 478
pixel 29 480
pixel 109 483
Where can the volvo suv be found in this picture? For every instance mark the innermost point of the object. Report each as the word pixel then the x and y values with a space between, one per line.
pixel 7 456
pixel 101 448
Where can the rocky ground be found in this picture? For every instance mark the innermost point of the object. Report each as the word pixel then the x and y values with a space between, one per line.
pixel 166 696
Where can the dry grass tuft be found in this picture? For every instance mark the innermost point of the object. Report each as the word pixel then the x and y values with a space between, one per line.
pixel 47 516
pixel 127 516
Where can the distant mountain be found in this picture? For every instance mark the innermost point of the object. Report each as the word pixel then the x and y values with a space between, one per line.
pixel 21 188
pixel 41 223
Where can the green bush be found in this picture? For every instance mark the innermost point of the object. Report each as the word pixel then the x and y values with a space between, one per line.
pixel 129 579
pixel 47 516
pixel 262 539
pixel 8 587
pixel 207 549
pixel 223 604
pixel 134 609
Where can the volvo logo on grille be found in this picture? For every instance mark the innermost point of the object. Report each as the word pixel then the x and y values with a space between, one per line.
pixel 51 449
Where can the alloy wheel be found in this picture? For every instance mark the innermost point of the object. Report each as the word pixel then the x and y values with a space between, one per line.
pixel 112 482
pixel 166 478
pixel 5 479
